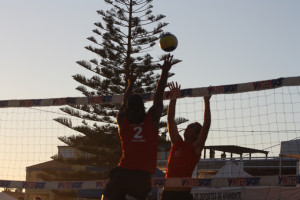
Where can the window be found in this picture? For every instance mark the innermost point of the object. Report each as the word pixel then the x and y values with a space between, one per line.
pixel 66 153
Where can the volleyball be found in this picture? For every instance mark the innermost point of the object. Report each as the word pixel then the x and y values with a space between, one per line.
pixel 168 42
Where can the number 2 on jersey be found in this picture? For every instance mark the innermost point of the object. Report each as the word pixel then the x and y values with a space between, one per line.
pixel 138 132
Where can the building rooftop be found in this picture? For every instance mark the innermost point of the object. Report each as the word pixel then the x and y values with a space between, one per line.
pixel 235 149
pixel 53 164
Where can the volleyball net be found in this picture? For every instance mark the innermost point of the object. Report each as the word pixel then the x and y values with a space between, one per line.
pixel 259 118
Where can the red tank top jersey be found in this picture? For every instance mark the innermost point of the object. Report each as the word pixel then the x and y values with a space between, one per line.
pixel 139 145
pixel 182 160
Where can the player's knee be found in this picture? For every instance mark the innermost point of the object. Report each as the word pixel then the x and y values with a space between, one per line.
pixel 104 198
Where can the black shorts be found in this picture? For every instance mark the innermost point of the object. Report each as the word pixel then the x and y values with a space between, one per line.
pixel 176 195
pixel 128 184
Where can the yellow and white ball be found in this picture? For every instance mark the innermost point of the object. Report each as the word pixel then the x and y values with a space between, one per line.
pixel 168 42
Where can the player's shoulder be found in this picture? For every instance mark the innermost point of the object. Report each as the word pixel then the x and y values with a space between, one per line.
pixel 179 141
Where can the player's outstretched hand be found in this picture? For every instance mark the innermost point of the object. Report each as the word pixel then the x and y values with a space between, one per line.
pixel 174 90
pixel 207 98
pixel 167 62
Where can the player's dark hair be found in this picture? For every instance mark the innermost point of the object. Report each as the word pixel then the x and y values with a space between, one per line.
pixel 135 109
pixel 199 128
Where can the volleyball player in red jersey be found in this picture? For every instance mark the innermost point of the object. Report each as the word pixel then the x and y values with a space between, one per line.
pixel 138 132
pixel 184 154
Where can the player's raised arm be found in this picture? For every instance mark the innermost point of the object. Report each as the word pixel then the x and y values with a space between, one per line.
pixel 157 106
pixel 199 143
pixel 172 126
pixel 128 92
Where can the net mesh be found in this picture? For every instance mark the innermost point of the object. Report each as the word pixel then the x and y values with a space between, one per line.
pixel 258 115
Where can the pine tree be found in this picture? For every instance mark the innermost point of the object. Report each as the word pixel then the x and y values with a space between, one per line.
pixel 122 42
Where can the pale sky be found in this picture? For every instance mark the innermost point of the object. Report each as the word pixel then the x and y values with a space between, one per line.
pixel 220 42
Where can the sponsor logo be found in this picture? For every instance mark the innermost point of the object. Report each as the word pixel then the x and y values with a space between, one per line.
pixel 101 184
pixel 70 185
pixel 5 184
pixel 181 93
pixel 97 100
pixel 3 104
pixel 193 182
pixel 268 84
pixel 34 185
pixel 222 89
pixel 244 181
pixel 289 180
pixel 25 103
